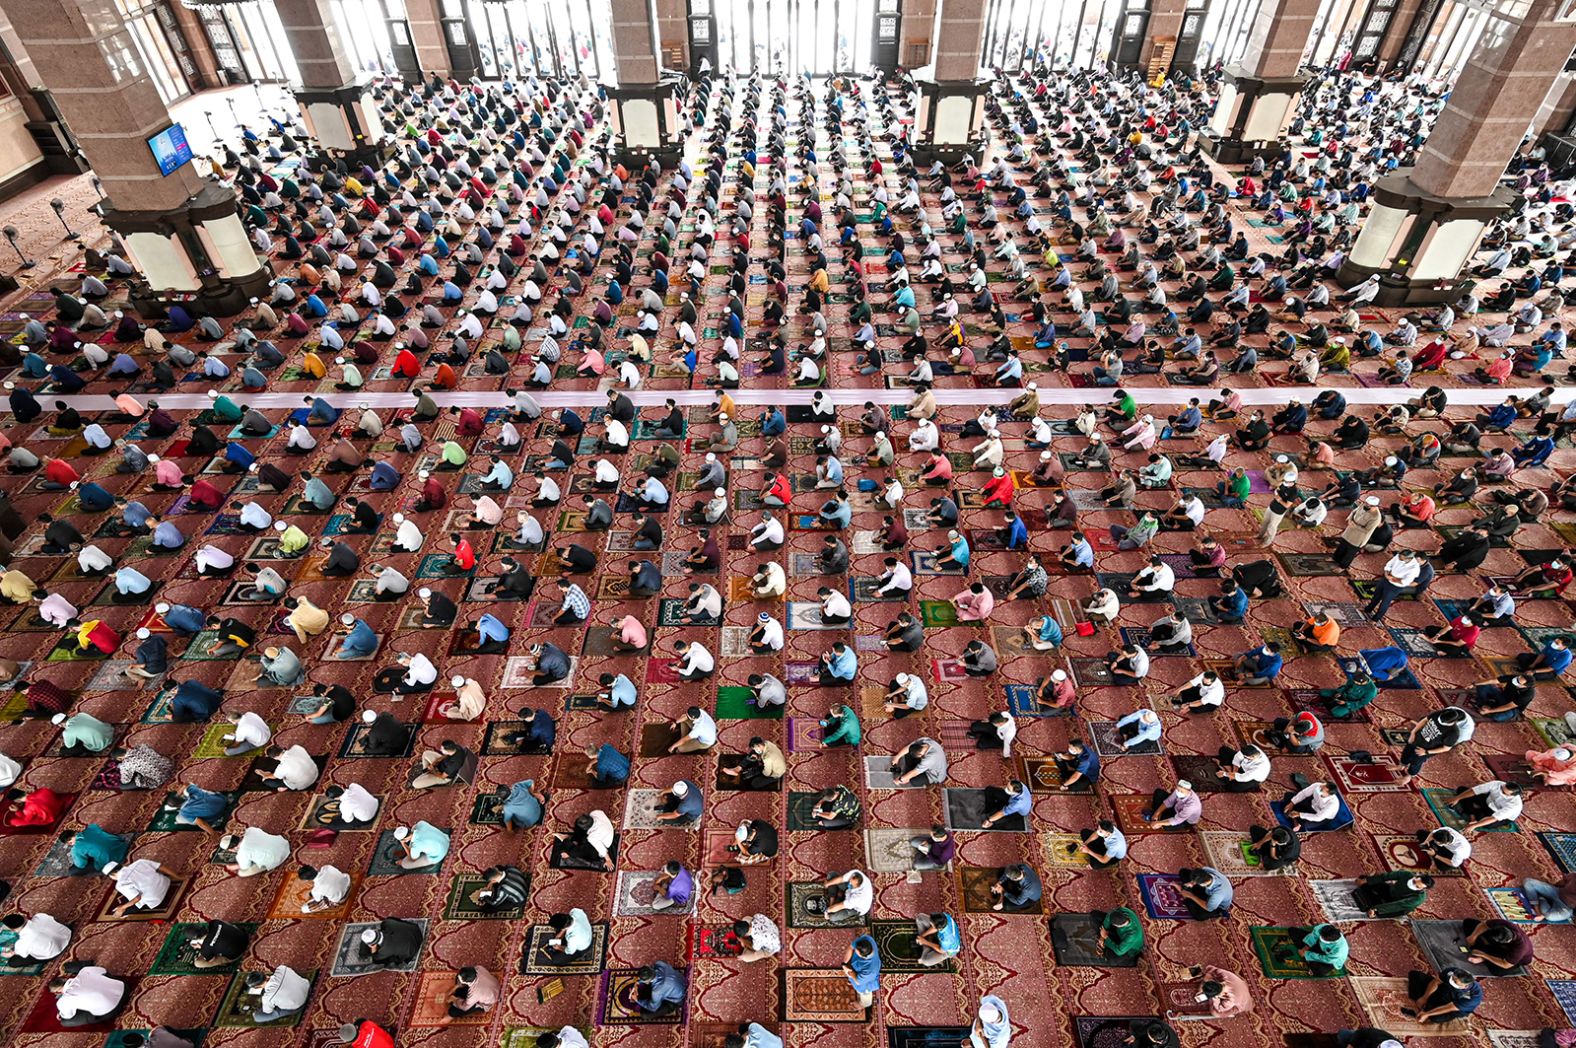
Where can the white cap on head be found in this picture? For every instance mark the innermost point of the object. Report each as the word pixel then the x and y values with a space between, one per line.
pixel 1045 456
pixel 1372 500
pixel 989 1014
pixel 161 607
pixel 1389 460
pixel 1058 675
pixel 722 417
pixel 1282 458
pixel 367 716
pixel 456 681
pixel 681 788
pixel 252 468
pixel 1033 385
pixel 742 831
pixel 370 935
pixel 424 592
pixel 58 719
pixel 1183 784
pixel 399 518
pixel 347 619
pixel 143 633
pixel 214 393
pixel 280 525
pixel 153 458
pixel 423 474
pixel 720 492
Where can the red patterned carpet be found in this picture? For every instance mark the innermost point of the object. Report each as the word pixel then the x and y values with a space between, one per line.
pixel 1007 955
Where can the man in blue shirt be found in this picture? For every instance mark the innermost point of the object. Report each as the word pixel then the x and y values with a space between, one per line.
pixel 660 986
pixel 1206 892
pixel 360 640
pixel 1014 535
pixel 520 805
pixel 937 937
pixel 840 665
pixel 682 805
pixel 493 633
pixel 182 618
pixel 608 766
pixel 1548 664
pixel 1078 554
pixel 1384 663
pixel 619 692
pixel 1232 604
pixel 1016 800
pixel 1259 666
pixel 1079 765
pixel 194 701
pixel 862 965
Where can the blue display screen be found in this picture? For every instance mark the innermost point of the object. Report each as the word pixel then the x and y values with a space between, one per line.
pixel 170 148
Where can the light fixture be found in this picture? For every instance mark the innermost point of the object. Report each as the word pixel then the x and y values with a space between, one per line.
pixel 10 235
pixel 59 206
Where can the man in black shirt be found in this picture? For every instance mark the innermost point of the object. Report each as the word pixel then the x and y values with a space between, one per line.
pixel 440 610
pixel 337 705
pixel 645 578
pixel 234 636
pixel 220 944
pixel 576 559
pixel 384 736
pixel 393 942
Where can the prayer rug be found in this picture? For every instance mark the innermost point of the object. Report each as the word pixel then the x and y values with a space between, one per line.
pixel 1342 820
pixel 1400 852
pixel 897 943
pixel 634 892
pixel 1510 768
pixel 640 812
pixel 1279 954
pixel 1075 939
pixel 1309 565
pixel 929 1036
pixel 967 809
pixel 1090 673
pixel 1309 699
pixel 816 995
pixel 1442 943
pixel 711 942
pixel 617 1005
pixel 733 703
pixel 1113 1031
pixel 887 849
pixel 462 905
pixel 1513 905
pixel 589 961
pixel 1163 897
pixel 432 993
pixel 160 913
pixel 1562 846
pixel 164 820
pixel 1379 775
pixel 1227 851
pixel 804 734
pixel 974 885
pixel 805 904
pixel 1104 736
pixel 386 855
pixel 294 893
pixel 1022 702
pixel 1438 802
pixel 177 956
pixel 239 1008
pixel 354 743
pixel 1129 809
pixel 1042 775
pixel 1335 899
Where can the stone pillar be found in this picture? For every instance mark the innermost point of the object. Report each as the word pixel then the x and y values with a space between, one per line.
pixel 950 115
pixel 181 230
pixel 426 36
pixel 1165 20
pixel 642 98
pixel 335 99
pixel 1258 96
pixel 1427 220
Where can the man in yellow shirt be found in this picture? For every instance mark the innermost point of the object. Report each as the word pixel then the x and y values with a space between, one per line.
pixel 305 618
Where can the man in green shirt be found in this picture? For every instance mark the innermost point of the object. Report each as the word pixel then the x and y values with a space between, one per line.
pixel 1323 948
pixel 1393 894
pixel 1121 934
pixel 1358 691
pixel 1123 411
pixel 841 727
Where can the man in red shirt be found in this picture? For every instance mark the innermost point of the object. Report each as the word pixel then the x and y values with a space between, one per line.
pixel 58 475
pixel 42 807
pixel 999 489
pixel 464 555
pixel 364 1033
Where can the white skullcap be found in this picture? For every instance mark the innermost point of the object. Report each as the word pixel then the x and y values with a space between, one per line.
pixel 456 682
pixel 1282 458
pixel 1058 675
pixel 989 1013
pixel 339 360
pixel 370 935
pixel 57 719
pixel 367 717
pixel 153 458
pixel 1034 385
pixel 161 607
pixel 347 619
pixel 720 492
pixel 143 633
pixel 423 474
pixel 213 393
pixel 1372 500
pixel 681 788
pixel 1183 784
pixel 424 593
pixel 399 518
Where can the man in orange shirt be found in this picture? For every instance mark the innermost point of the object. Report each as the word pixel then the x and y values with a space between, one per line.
pixel 1318 632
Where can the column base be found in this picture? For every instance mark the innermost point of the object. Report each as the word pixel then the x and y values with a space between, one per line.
pixel 198 255
pixel 1419 243
pixel 648 122
pixel 949 120
pixel 1251 116
pixel 346 121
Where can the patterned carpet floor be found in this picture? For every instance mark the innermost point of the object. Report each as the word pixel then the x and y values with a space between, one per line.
pixel 799 993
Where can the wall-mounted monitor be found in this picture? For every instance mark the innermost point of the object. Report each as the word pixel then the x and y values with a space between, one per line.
pixel 170 148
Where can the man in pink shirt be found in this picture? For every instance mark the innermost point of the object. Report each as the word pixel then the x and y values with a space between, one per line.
pixel 475 991
pixel 631 634
pixel 975 603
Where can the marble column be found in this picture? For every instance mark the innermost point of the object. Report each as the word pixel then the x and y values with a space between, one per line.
pixel 335 98
pixel 643 100
pixel 426 37
pixel 1258 95
pixel 181 229
pixel 1165 19
pixel 1426 220
pixel 949 116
